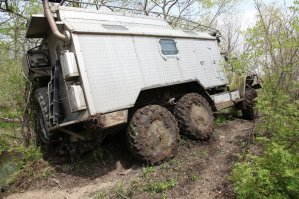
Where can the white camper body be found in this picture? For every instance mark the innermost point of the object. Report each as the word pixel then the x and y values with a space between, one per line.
pixel 97 70
pixel 120 55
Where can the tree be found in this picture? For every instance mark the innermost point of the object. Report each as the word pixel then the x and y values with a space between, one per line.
pixel 273 46
pixel 14 88
pixel 174 11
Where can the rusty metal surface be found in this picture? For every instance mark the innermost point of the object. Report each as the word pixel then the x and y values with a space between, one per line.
pixel 223 105
pixel 113 119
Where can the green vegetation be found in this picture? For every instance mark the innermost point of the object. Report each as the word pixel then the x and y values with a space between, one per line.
pixel 146 171
pixel 153 181
pixel 274 173
pixel 119 190
pixel 150 182
pixel 194 177
pixel 21 162
pixel 100 195
pixel 17 161
pixel 225 115
pixel 160 186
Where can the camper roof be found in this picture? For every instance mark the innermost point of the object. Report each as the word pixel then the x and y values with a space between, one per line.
pixel 89 21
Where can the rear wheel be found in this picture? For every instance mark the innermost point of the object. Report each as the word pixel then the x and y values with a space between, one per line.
pixel 249 111
pixel 153 134
pixel 195 117
pixel 42 113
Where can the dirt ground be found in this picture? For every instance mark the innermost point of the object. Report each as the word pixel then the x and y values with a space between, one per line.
pixel 200 170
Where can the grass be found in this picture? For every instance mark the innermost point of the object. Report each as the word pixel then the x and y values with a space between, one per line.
pixel 146 171
pixel 171 164
pixel 194 177
pixel 10 136
pixel 82 164
pixel 200 154
pixel 160 186
pixel 97 156
pixel 100 195
pixel 152 183
pixel 9 125
pixel 119 190
pixel 225 115
pixel 21 163
pixel 147 182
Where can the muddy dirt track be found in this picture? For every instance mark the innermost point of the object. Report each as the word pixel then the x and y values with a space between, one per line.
pixel 200 170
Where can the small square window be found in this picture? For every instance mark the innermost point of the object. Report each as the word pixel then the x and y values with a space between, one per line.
pixel 168 47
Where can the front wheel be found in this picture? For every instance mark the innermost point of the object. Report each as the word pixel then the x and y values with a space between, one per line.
pixel 249 111
pixel 195 116
pixel 153 134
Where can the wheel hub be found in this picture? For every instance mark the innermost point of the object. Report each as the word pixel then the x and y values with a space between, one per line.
pixel 158 136
pixel 199 116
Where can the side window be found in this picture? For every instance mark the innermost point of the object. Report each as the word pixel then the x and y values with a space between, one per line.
pixel 168 47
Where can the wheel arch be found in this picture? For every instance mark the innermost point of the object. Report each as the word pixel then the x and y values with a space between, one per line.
pixel 160 95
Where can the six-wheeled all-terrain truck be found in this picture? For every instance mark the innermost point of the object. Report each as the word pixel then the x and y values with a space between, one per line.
pixel 97 71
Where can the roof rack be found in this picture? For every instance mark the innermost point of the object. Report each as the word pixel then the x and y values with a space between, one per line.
pixel 176 22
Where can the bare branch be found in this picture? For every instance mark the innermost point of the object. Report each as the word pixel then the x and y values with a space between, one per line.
pixel 8 10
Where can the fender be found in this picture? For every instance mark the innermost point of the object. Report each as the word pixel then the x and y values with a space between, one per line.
pixel 240 81
pixel 164 93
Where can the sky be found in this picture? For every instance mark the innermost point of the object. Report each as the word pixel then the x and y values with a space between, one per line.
pixel 249 12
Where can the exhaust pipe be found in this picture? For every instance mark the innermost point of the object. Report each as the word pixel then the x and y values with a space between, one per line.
pixel 52 23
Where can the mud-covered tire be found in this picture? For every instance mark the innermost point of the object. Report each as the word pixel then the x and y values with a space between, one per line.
pixel 41 107
pixel 249 112
pixel 153 134
pixel 195 117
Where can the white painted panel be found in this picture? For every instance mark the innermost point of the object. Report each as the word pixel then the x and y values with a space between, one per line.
pixel 68 13
pixel 112 69
pixel 222 97
pixel 155 69
pixel 210 60
pixel 91 21
pixel 235 95
pixel 119 67
pixel 190 62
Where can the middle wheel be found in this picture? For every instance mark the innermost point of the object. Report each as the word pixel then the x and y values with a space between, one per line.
pixel 153 134
pixel 195 116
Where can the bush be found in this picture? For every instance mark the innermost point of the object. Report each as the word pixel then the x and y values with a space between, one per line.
pixel 274 49
pixel 274 175
pixel 12 86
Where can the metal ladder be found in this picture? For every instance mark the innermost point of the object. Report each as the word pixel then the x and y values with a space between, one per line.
pixel 53 90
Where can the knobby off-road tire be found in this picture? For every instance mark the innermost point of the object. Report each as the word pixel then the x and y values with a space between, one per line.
pixel 195 117
pixel 153 134
pixel 249 112
pixel 41 102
